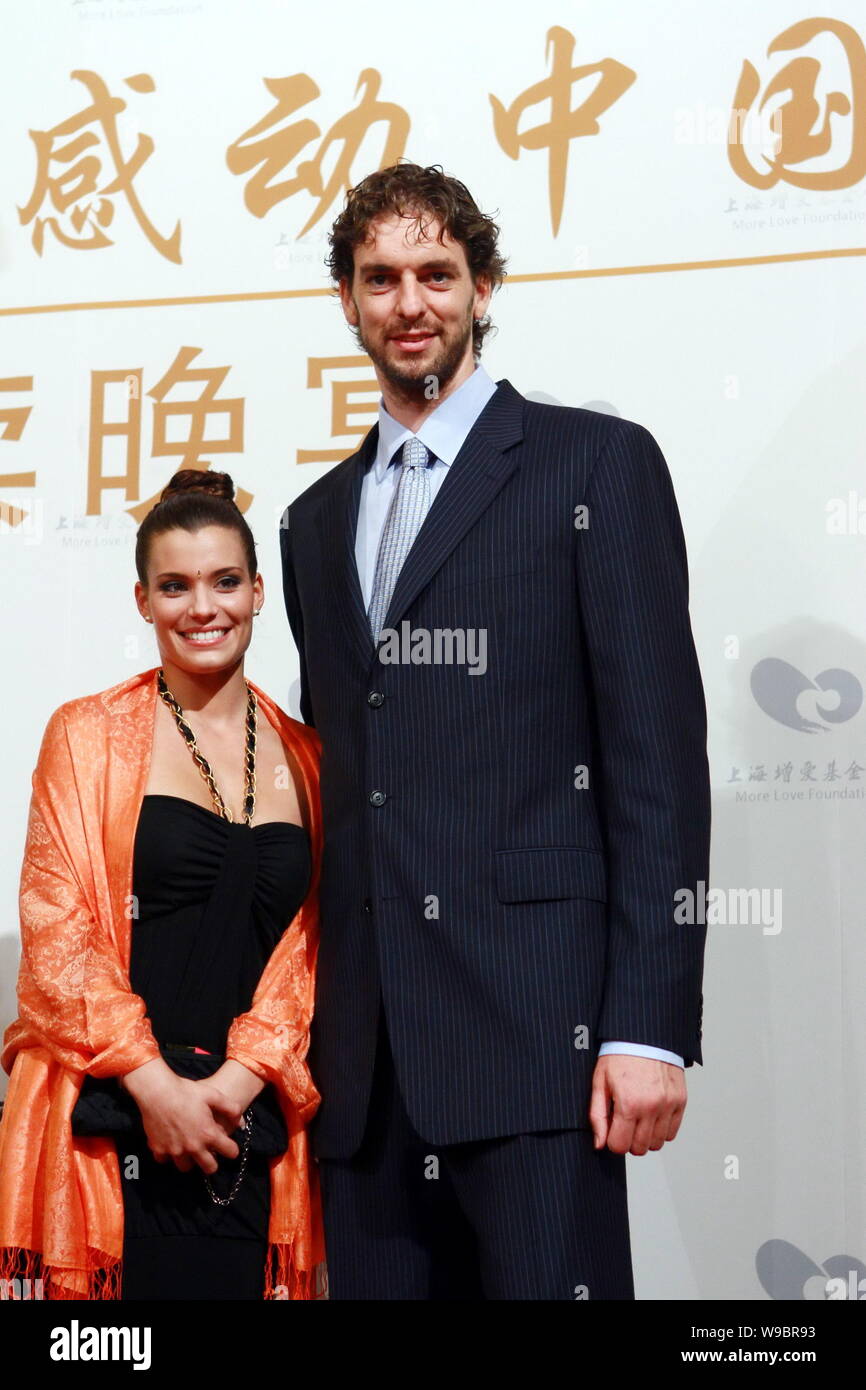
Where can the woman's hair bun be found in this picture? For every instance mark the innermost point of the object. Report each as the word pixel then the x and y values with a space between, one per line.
pixel 193 498
pixel 199 480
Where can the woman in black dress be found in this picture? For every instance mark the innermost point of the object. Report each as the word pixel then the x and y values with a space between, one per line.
pixel 221 863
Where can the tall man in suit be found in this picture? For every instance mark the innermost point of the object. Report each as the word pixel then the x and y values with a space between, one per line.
pixel 490 603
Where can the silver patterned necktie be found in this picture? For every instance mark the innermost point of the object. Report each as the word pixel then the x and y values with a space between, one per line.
pixel 409 506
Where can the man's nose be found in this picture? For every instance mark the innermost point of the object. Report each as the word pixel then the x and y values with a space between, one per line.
pixel 409 302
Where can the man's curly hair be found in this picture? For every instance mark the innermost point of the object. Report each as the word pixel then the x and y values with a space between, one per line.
pixel 426 194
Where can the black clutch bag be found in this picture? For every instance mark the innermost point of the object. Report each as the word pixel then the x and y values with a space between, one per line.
pixel 104 1108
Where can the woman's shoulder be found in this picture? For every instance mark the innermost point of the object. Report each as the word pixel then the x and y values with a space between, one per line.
pixel 86 711
pixel 302 734
pixel 292 730
pixel 305 734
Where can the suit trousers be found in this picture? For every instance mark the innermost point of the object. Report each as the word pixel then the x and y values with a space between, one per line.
pixel 526 1216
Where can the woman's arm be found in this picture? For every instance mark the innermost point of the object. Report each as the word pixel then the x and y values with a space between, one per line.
pixel 271 1040
pixel 74 995
pixel 238 1084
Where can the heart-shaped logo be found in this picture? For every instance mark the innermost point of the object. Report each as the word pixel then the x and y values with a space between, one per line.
pixel 777 687
pixel 787 1273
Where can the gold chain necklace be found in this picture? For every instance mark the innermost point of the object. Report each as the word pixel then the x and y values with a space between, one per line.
pixel 202 762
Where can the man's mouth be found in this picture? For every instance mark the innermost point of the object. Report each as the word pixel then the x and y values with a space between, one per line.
pixel 204 637
pixel 413 342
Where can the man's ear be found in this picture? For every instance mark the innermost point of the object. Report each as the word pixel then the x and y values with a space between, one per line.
pixel 483 294
pixel 347 302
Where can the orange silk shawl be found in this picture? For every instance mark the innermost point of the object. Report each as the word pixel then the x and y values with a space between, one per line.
pixel 61 1207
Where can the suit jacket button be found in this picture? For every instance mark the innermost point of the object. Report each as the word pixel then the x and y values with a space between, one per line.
pixel 368 906
pixel 378 798
pixel 375 698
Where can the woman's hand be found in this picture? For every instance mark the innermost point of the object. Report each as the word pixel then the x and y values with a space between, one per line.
pixel 180 1116
pixel 238 1087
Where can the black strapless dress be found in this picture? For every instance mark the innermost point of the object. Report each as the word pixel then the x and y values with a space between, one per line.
pixel 213 899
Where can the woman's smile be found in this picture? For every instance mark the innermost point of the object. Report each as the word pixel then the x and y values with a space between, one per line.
pixel 205 637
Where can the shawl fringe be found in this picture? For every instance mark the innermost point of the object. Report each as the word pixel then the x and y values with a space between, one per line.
pixel 24 1277
pixel 284 1280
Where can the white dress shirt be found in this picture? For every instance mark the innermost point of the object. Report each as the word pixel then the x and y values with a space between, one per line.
pixel 443 432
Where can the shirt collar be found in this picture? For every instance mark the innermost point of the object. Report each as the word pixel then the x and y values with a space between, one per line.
pixel 444 430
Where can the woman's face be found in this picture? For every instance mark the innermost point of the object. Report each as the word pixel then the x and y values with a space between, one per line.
pixel 198 583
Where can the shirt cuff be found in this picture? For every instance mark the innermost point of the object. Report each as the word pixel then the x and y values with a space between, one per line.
pixel 641 1050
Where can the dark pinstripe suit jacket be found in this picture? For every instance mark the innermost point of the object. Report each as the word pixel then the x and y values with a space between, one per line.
pixel 514 919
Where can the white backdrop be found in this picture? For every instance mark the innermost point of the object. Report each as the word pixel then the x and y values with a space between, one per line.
pixel 160 166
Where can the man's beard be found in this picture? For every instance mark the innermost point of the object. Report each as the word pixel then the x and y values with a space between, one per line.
pixel 413 380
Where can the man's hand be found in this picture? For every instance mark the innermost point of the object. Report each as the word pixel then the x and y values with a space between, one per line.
pixel 648 1099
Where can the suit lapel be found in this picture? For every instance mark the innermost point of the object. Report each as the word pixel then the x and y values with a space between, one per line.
pixel 337 521
pixel 480 470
